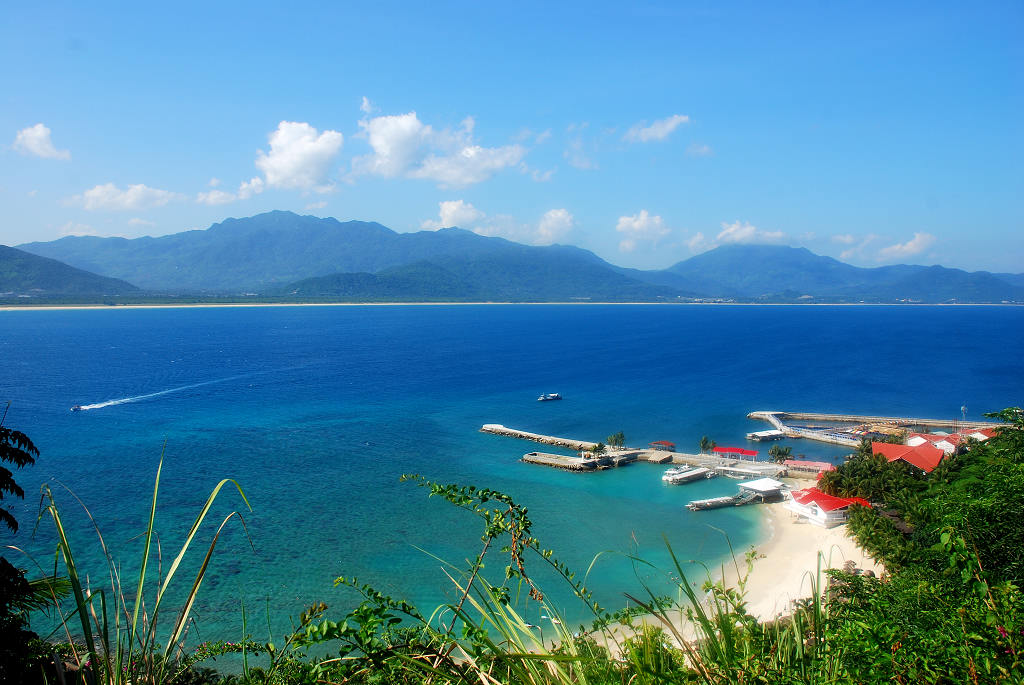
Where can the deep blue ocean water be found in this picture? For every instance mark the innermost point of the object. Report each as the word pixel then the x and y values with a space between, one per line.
pixel 316 411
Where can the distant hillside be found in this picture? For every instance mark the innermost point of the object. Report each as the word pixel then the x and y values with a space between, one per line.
pixel 267 251
pixel 284 254
pixel 516 275
pixel 22 273
pixel 774 272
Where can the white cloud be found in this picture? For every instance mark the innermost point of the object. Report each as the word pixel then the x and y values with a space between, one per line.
pixel 454 213
pixel 300 157
pixel 71 228
pixel 699 150
pixel 746 232
pixel 215 197
pixel 659 130
pixel 542 137
pixel 247 189
pixel 469 165
pixel 35 141
pixel 110 197
pixel 916 245
pixel 844 239
pixel 214 182
pixel 640 227
pixel 136 221
pixel 697 242
pixel 858 250
pixel 366 107
pixel 554 225
pixel 316 205
pixel 405 146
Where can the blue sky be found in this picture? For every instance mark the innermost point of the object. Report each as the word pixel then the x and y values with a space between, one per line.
pixel 647 132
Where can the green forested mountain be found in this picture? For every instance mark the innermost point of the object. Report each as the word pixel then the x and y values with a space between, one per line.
pixel 23 274
pixel 281 253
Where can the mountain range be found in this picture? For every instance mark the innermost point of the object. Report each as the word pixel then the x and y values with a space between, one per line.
pixel 284 255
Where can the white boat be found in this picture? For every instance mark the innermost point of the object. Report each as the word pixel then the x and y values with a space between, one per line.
pixel 678 476
pixel 548 396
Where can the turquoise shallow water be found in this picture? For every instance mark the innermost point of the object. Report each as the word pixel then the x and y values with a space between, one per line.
pixel 317 411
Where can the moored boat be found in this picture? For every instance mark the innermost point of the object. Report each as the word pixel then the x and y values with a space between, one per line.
pixel 548 396
pixel 680 475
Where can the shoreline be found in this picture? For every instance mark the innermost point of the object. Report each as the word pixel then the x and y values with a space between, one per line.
pixel 788 561
pixel 214 305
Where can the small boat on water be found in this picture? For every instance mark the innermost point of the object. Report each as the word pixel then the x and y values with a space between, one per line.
pixel 677 475
pixel 548 396
pixel 77 407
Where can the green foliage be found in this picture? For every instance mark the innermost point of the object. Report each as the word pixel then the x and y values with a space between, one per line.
pixel 15 448
pixel 617 439
pixel 873 478
pixel 120 624
pixel 779 454
pixel 598 449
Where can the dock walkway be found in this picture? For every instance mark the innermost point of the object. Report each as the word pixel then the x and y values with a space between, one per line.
pixel 626 455
pixel 837 436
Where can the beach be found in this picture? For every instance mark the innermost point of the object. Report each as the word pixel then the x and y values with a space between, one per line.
pixel 788 561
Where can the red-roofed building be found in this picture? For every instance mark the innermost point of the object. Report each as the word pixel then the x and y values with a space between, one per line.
pixel 807 468
pixel 924 456
pixel 820 508
pixel 663 445
pixel 737 452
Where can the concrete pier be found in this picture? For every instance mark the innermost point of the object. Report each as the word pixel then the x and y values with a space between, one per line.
pixel 622 456
pixel 839 436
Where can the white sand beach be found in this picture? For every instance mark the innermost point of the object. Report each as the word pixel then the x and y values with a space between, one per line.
pixel 788 562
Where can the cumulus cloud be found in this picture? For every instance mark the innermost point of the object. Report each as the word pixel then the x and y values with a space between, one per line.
pixel 697 242
pixel 453 213
pixel 110 197
pixel 659 130
pixel 405 146
pixel 35 141
pixel 641 227
pixel 214 182
pixel 300 157
pixel 553 226
pixel 745 232
pixel 366 107
pixel 247 189
pixel 916 245
pixel 215 197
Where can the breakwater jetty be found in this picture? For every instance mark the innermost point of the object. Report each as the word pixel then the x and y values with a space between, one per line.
pixel 612 457
pixel 864 426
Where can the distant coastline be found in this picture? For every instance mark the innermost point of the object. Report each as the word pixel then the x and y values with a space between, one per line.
pixel 212 305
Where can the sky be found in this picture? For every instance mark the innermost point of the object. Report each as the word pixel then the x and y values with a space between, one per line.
pixel 647 132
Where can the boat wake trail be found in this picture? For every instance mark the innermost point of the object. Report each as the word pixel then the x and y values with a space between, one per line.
pixel 138 398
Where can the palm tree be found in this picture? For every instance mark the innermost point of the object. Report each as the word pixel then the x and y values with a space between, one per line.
pixel 598 449
pixel 706 444
pixel 779 454
pixel 16 448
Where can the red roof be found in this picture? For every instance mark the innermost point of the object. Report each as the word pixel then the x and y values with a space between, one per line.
pixel 736 450
pixel 664 442
pixel 825 501
pixel 924 457
pixel 809 465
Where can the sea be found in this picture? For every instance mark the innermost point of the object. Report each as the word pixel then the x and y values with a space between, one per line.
pixel 316 411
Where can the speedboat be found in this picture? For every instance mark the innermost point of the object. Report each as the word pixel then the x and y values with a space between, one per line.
pixel 548 396
pixel 77 407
